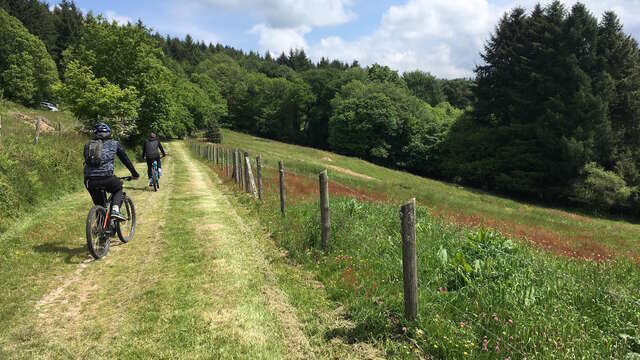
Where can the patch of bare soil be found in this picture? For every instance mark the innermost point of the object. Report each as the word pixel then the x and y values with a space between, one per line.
pixel 350 172
pixel 45 124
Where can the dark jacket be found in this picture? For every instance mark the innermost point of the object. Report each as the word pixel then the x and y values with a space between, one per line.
pixel 110 148
pixel 150 149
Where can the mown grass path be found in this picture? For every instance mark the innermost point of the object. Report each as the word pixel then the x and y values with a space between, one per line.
pixel 195 282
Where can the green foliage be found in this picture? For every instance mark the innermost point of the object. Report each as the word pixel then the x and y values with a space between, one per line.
pixel 549 102
pixel 33 174
pixel 213 133
pixel 424 86
pixel 27 72
pixel 92 100
pixel 601 188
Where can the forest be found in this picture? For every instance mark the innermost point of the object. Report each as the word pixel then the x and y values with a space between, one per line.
pixel 553 113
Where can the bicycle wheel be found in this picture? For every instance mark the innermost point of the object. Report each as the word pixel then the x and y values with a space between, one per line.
pixel 97 240
pixel 154 179
pixel 127 228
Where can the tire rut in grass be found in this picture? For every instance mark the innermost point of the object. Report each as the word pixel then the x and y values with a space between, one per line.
pixel 92 299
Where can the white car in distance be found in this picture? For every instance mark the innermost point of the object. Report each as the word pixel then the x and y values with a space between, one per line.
pixel 49 106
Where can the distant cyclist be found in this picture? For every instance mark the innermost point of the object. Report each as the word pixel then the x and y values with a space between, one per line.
pixel 99 154
pixel 151 152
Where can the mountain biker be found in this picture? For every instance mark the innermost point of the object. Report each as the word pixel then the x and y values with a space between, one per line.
pixel 150 153
pixel 99 154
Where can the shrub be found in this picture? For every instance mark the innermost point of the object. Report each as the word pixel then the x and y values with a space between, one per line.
pixel 601 188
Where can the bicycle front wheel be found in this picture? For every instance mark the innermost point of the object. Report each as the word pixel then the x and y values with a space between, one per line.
pixel 97 240
pixel 126 228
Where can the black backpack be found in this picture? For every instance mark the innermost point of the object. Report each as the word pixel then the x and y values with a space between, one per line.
pixel 94 155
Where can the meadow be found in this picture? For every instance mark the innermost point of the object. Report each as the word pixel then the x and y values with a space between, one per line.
pixel 498 278
pixel 32 174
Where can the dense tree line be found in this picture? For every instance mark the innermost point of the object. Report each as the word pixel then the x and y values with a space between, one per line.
pixel 558 110
pixel 553 112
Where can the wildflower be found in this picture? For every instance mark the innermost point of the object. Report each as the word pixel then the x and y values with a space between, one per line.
pixel 404 329
pixel 435 346
pixel 465 353
pixel 419 332
pixel 497 347
pixel 510 322
pixel 495 316
pixel 484 344
pixel 462 324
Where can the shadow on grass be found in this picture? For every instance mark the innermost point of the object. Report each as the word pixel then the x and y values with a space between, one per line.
pixel 74 255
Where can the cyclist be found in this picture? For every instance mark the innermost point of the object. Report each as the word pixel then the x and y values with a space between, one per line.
pixel 99 154
pixel 151 152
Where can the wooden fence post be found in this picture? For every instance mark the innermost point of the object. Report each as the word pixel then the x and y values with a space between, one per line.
pixel 37 136
pixel 251 184
pixel 324 209
pixel 59 129
pixel 233 172
pixel 409 259
pixel 259 176
pixel 241 170
pixel 246 162
pixel 281 171
pixel 0 125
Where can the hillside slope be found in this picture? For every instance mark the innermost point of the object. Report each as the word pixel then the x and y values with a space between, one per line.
pixel 560 231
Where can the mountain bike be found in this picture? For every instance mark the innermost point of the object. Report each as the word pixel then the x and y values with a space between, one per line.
pixel 101 227
pixel 155 176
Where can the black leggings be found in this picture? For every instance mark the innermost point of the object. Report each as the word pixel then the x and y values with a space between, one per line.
pixel 112 184
pixel 150 166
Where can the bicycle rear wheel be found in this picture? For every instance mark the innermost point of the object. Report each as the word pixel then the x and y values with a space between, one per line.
pixel 127 228
pixel 97 240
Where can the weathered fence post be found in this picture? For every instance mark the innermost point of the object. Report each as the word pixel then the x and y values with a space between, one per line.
pixel 37 136
pixel 234 174
pixel 324 209
pixel 246 162
pixel 0 125
pixel 259 176
pixel 241 170
pixel 281 171
pixel 409 259
pixel 251 184
pixel 59 129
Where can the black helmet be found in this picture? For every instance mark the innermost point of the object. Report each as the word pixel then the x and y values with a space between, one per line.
pixel 101 130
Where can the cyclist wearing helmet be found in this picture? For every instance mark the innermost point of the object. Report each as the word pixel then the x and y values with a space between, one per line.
pixel 151 152
pixel 99 154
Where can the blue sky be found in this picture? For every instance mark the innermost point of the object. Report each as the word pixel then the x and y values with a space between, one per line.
pixel 444 37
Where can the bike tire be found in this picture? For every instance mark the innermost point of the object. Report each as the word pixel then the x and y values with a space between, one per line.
pixel 97 242
pixel 126 229
pixel 155 181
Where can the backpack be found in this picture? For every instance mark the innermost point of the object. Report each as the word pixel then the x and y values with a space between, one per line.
pixel 94 155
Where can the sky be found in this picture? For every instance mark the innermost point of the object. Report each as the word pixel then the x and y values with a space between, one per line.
pixel 444 37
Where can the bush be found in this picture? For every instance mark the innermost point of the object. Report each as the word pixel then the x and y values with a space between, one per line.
pixel 213 133
pixel 601 188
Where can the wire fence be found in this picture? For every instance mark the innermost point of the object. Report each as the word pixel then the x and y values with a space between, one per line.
pixel 231 169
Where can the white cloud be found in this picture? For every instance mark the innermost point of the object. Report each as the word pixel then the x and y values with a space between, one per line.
pixel 441 36
pixel 291 14
pixel 120 19
pixel 444 37
pixel 277 40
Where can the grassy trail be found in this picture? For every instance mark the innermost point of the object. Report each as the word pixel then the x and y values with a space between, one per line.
pixel 195 282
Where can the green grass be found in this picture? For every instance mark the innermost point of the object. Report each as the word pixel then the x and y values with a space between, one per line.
pixel 30 174
pixel 473 284
pixel 559 230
